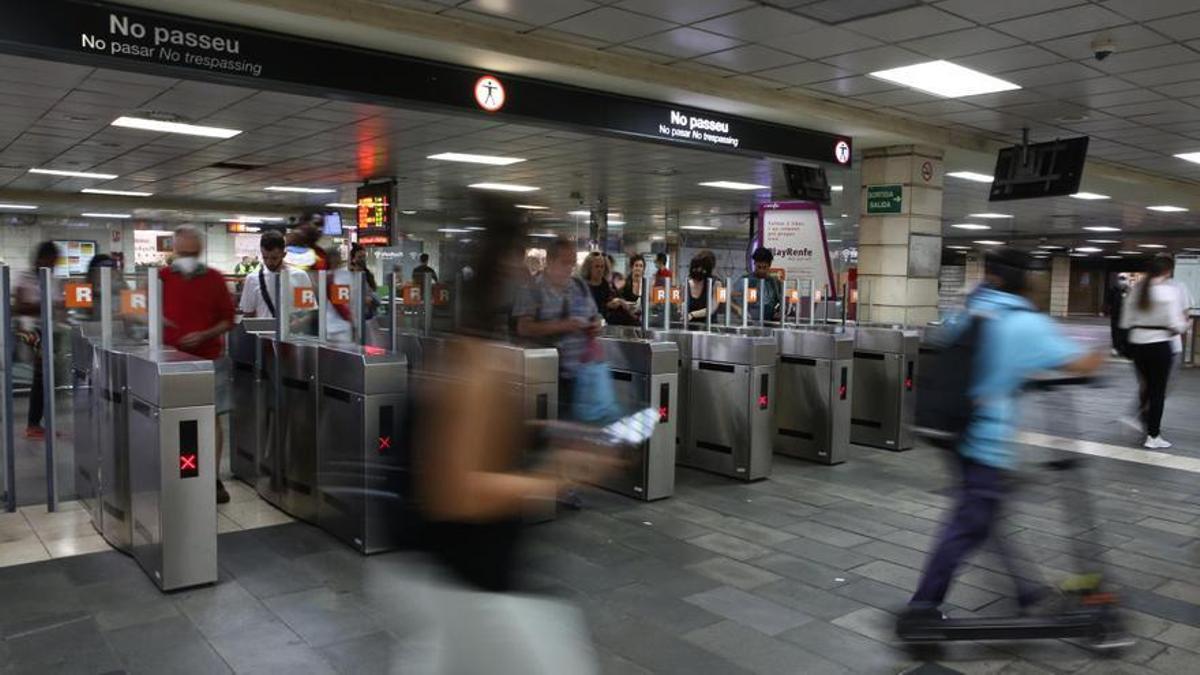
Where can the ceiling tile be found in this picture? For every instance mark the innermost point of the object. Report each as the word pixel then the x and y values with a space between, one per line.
pixel 856 86
pixel 1151 107
pixel 1181 89
pixel 684 12
pixel 535 12
pixel 961 43
pixel 907 24
pixel 759 23
pixel 878 58
pixel 1089 87
pixel 640 54
pixel 1005 99
pixel 821 42
pixel 749 58
pixel 1127 38
pixel 685 42
pixel 1152 57
pixel 758 81
pixel 1143 10
pixel 1052 25
pixel 803 73
pixel 1012 58
pixel 613 25
pixel 991 12
pixel 938 108
pixel 1165 75
pixel 1051 74
pixel 569 38
pixel 703 68
pixel 895 97
pixel 1113 98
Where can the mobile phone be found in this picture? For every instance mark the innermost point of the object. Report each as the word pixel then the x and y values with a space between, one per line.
pixel 634 429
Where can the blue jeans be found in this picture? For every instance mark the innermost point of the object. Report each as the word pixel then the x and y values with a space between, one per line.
pixel 979 506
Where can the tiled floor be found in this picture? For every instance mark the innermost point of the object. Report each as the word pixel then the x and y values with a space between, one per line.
pixel 801 573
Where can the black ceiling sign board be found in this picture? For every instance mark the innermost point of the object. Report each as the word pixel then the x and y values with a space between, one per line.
pixel 107 35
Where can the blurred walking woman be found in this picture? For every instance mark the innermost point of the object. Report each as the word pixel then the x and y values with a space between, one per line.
pixel 1155 314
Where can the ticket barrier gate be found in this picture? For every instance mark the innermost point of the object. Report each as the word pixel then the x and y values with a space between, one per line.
pixel 884 401
pixel 362 479
pixel 86 409
pixel 814 395
pixel 173 471
pixel 248 419
pixel 287 472
pixel 731 394
pixel 112 439
pixel 646 375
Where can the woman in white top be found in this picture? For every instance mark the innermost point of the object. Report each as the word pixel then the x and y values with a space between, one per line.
pixel 1155 314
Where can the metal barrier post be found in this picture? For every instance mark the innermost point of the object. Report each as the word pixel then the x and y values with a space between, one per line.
pixel 667 304
pixel 646 288
pixel 6 336
pixel 762 303
pixel 322 305
pixel 154 308
pixel 745 302
pixel 427 302
pixel 358 313
pixel 728 302
pixel 283 317
pixel 104 302
pixel 393 320
pixel 46 281
pixel 708 289
pixel 812 302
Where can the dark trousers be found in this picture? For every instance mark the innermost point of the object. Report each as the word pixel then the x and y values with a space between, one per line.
pixel 36 394
pixel 1153 362
pixel 979 506
pixel 1119 336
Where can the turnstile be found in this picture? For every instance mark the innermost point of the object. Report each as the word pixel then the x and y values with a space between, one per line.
pixel 85 408
pixel 646 375
pixel 885 372
pixel 362 478
pixel 248 419
pixel 173 469
pixel 288 467
pixel 813 395
pixel 110 385
pixel 731 395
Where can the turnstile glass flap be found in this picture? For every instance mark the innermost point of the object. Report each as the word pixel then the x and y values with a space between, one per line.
pixel 366 370
pixel 743 349
pixel 82 351
pixel 890 340
pixel 169 379
pixel 815 344
pixel 641 356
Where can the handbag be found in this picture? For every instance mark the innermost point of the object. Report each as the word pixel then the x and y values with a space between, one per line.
pixel 595 398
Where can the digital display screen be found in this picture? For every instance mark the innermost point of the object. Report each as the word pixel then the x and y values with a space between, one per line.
pixel 333 224
pixel 189 455
pixel 375 214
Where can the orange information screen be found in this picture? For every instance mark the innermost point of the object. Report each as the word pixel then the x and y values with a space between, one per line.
pixel 375 214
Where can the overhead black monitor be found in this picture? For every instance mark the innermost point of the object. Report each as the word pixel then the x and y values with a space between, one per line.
pixel 807 182
pixel 1051 169
pixel 332 224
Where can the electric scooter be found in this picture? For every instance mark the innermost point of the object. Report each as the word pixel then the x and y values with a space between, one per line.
pixel 1087 611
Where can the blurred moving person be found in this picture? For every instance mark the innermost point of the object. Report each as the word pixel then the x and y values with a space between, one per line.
pixel 27 308
pixel 302 251
pixel 339 318
pixel 661 271
pixel 1012 342
pixel 699 273
pixel 1155 314
pixel 767 288
pixel 197 312
pixel 473 490
pixel 258 294
pixel 1114 303
pixel 424 270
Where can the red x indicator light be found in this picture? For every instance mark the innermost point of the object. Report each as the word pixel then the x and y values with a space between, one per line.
pixel 385 443
pixel 762 402
pixel 663 414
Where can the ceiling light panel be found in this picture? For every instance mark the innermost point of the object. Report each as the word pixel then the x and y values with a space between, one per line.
pixel 945 79
pixel 971 226
pixel 106 215
pixel 341 205
pixel 992 216
pixel 971 176
pixel 734 185
pixel 531 207
pixel 503 187
pixel 174 127
pixel 1190 156
pixel 1090 196
pixel 74 174
pixel 300 190
pixel 1101 228
pixel 17 207
pixel 1166 208
pixel 117 193
pixel 468 158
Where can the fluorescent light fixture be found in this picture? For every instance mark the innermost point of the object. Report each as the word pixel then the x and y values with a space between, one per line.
pixel 971 175
pixel 1190 156
pixel 1050 247
pixel 835 188
pixel 251 220
pixel 74 174
pixel 475 228
pixel 1166 208
pixel 1130 252
pixel 17 207
pixel 531 207
pixel 989 242
pixel 1089 249
pixel 453 230
pixel 301 190
pixel 1078 255
pixel 117 193
pixel 1092 196
pixel 971 226
pixel 833 241
pixel 491 160
pixel 1112 257
pixel 656 237
pixel 734 185
pixel 1104 241
pixel 504 187
pixel 106 215
pixel 943 78
pixel 544 235
pixel 341 205
pixel 174 127
pixel 616 223
pixel 960 248
pixel 845 215
pixel 989 216
pixel 408 212
pixel 1151 246
pixel 581 214
pixel 1101 228
pixel 698 228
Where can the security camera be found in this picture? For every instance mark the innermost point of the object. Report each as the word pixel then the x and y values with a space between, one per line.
pixel 1103 47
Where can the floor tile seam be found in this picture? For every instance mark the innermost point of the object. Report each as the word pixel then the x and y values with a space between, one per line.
pixel 1108 451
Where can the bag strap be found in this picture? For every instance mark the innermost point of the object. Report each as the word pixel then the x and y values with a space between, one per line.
pixel 262 289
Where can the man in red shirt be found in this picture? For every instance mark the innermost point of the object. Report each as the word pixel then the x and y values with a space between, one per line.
pixel 197 312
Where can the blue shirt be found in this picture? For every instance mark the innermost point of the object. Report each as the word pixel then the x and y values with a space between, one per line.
pixel 542 301
pixel 1015 343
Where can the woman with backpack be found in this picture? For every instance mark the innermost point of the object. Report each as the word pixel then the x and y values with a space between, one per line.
pixel 1155 314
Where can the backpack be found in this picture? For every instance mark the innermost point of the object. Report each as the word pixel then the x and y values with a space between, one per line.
pixel 944 406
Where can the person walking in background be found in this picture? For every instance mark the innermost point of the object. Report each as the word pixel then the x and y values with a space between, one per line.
pixel 594 273
pixel 197 312
pixel 302 251
pixel 1155 314
pixel 1114 303
pixel 423 270
pixel 631 292
pixel 699 274
pixel 661 272
pixel 258 293
pixel 27 308
pixel 767 288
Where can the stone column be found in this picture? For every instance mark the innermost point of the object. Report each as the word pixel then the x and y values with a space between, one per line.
pixel 899 254
pixel 1060 285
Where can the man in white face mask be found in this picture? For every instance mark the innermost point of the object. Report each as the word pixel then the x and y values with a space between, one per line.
pixel 197 312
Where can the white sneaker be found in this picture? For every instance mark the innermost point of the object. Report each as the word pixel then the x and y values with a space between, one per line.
pixel 1163 443
pixel 1156 443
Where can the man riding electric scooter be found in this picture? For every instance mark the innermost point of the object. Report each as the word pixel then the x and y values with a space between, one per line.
pixel 999 343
